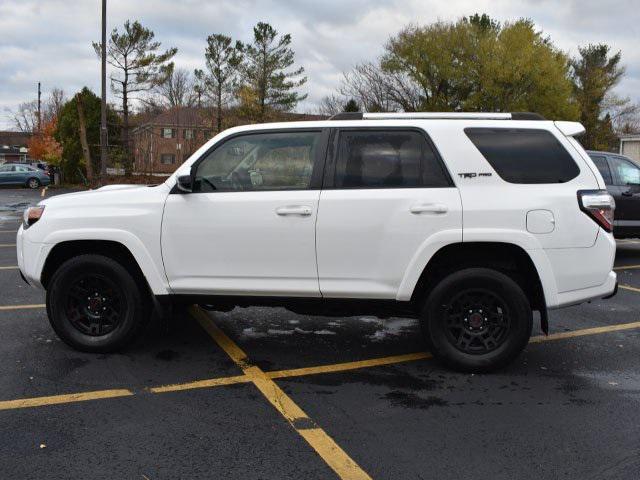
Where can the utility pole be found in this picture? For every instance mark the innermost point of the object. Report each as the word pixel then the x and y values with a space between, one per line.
pixel 103 103
pixel 39 110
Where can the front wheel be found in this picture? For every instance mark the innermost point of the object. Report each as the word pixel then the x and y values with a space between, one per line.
pixel 476 320
pixel 33 183
pixel 94 304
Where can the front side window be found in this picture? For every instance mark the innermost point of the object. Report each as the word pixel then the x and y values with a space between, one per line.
pixel 387 159
pixel 259 161
pixel 167 159
pixel 626 172
pixel 168 133
pixel 522 155
pixel 601 162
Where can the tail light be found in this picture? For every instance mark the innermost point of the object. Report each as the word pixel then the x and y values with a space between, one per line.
pixel 599 205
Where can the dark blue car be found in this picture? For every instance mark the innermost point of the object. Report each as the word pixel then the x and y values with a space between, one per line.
pixel 19 174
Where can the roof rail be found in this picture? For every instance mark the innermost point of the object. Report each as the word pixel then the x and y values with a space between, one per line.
pixel 438 115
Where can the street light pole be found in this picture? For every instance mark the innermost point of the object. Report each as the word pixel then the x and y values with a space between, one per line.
pixel 103 103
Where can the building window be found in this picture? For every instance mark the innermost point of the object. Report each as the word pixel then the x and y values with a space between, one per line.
pixel 208 134
pixel 168 133
pixel 189 134
pixel 167 159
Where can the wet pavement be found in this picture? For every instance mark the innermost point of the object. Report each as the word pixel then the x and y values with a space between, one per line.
pixel 566 408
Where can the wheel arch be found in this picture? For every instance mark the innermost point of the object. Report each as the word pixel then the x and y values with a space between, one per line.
pixel 115 250
pixel 508 258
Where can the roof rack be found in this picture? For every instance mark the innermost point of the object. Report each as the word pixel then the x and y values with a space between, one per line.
pixel 438 115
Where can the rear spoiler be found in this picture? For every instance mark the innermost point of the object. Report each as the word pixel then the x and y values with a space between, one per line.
pixel 570 129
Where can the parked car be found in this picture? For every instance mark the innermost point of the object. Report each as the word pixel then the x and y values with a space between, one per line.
pixel 622 177
pixel 468 222
pixel 21 174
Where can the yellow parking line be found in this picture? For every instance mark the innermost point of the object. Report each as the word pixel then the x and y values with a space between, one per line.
pixel 339 461
pixel 626 267
pixel 629 287
pixel 21 307
pixel 585 331
pixel 11 267
pixel 68 398
pixel 296 372
pixel 341 367
pixel 212 382
pixel 8 231
pixel 7 244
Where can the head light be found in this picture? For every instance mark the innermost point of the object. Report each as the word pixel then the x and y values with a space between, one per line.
pixel 31 216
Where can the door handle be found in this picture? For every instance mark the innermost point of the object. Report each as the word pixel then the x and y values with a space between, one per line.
pixel 437 208
pixel 628 193
pixel 301 210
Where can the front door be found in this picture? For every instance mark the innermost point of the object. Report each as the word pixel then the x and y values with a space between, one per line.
pixel 249 226
pixel 626 191
pixel 385 195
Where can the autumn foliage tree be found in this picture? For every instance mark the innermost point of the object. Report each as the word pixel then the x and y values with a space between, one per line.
pixel 43 145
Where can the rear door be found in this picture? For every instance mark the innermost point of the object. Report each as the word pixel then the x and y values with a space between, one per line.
pixel 386 194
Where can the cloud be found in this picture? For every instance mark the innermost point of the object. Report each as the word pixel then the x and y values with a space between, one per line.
pixel 50 40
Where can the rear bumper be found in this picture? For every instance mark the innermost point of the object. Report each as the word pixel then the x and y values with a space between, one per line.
pixel 574 297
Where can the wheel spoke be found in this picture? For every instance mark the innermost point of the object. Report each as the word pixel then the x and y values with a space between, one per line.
pixel 476 321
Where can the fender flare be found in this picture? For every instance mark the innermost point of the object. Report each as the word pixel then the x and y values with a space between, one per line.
pixel 435 243
pixel 156 279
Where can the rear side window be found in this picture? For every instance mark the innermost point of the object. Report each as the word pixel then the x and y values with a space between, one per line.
pixel 524 155
pixel 387 159
pixel 601 162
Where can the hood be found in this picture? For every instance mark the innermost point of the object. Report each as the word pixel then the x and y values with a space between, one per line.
pixel 104 194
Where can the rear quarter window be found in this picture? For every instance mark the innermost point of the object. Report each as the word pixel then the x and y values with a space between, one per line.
pixel 520 155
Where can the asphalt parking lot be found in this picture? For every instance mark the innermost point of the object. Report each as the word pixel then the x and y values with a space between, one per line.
pixel 262 393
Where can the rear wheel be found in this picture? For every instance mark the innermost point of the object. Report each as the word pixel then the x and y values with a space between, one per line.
pixel 33 183
pixel 94 304
pixel 476 320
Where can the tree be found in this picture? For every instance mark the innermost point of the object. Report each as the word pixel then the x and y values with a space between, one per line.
pixel 43 145
pixel 177 89
pixel 220 81
pixel 25 117
pixel 266 79
pixel 351 106
pixel 595 73
pixel 67 132
pixel 478 64
pixel 138 67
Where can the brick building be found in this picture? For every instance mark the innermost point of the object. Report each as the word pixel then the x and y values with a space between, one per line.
pixel 163 142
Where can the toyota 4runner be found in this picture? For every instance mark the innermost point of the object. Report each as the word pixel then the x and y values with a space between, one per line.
pixel 467 221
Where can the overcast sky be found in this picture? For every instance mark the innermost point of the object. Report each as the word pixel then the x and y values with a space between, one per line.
pixel 50 40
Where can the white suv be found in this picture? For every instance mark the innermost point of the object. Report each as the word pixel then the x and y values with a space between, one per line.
pixel 469 222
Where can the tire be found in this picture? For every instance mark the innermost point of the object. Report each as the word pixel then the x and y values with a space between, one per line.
pixel 33 183
pixel 95 305
pixel 476 320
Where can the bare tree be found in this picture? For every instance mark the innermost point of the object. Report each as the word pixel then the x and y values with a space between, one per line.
pixel 331 105
pixel 625 115
pixel 54 104
pixel 177 90
pixel 369 86
pixel 25 117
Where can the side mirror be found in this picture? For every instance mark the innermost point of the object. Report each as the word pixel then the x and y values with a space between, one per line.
pixel 184 183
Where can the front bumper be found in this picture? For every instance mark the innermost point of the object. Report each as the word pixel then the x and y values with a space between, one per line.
pixel 31 258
